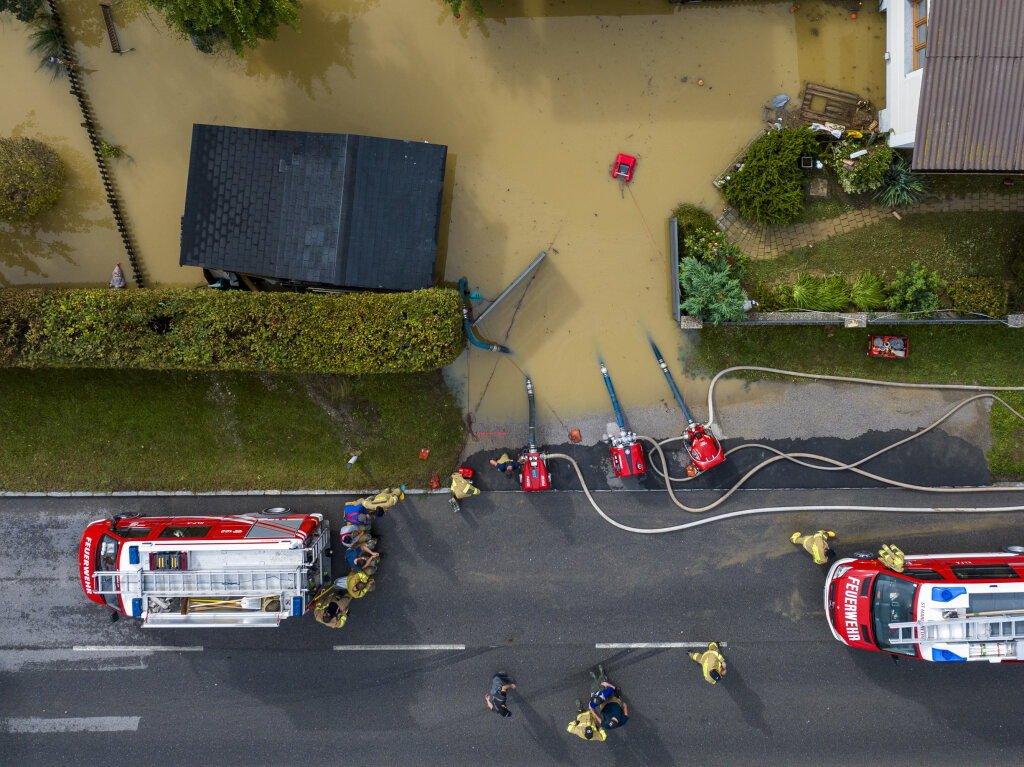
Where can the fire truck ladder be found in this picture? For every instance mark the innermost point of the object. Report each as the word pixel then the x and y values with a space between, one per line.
pixel 238 583
pixel 978 629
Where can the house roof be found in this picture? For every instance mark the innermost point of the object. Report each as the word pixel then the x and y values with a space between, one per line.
pixel 972 99
pixel 329 208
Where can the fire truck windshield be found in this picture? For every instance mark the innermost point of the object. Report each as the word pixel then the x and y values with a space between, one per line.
pixel 106 560
pixel 892 602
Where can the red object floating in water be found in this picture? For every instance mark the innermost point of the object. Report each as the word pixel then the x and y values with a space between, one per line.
pixel 623 167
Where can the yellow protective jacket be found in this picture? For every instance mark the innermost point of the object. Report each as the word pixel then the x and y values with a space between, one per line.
pixel 462 487
pixel 583 720
pixel 385 499
pixel 709 660
pixel 815 544
pixel 355 578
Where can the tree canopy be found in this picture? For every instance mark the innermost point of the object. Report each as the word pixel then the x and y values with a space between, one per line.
pixel 23 10
pixel 241 24
pixel 31 178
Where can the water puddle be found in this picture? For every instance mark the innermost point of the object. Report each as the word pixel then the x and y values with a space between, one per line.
pixel 533 106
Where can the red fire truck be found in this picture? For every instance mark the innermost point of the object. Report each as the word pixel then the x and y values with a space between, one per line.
pixel 941 607
pixel 249 570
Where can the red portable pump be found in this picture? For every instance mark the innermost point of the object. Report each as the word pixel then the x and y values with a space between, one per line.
pixel 627 453
pixel 535 469
pixel 699 445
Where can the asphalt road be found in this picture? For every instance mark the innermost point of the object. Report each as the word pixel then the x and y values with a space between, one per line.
pixel 528 584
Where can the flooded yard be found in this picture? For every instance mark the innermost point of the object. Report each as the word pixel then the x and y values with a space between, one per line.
pixel 533 106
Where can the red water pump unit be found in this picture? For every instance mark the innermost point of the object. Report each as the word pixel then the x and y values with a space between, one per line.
pixel 700 446
pixel 627 453
pixel 535 469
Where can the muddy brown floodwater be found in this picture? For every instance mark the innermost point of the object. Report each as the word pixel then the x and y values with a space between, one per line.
pixel 533 105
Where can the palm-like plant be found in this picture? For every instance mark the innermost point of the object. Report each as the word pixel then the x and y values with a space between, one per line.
pixel 805 292
pixel 900 187
pixel 868 293
pixel 833 294
pixel 46 43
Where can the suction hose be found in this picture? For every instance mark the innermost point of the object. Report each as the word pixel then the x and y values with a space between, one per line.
pixel 611 393
pixel 671 382
pixel 533 415
pixel 468 328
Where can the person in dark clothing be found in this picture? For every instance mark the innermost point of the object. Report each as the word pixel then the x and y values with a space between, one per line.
pixel 501 683
pixel 606 703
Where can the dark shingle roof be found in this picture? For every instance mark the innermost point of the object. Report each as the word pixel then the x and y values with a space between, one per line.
pixel 972 97
pixel 329 208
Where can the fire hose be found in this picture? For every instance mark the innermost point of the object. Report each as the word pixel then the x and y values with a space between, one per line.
pixel 830 464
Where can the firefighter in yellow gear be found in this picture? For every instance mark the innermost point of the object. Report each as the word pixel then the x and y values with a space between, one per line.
pixel 711 663
pixel 333 612
pixel 892 557
pixel 385 499
pixel 358 584
pixel 462 487
pixel 816 544
pixel 586 726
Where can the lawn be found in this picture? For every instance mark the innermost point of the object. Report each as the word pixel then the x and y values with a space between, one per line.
pixel 954 244
pixel 76 429
pixel 973 354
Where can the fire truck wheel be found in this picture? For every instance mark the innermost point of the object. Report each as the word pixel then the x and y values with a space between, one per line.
pixel 1014 549
pixel 277 511
pixel 863 555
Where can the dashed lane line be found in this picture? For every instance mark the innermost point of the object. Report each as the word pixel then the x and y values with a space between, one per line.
pixel 651 645
pixel 33 724
pixel 396 647
pixel 134 648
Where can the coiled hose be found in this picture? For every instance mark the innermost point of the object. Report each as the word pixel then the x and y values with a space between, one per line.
pixel 824 463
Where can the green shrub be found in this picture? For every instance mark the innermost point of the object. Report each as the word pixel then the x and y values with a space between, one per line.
pixel 1017 262
pixel 31 178
pixel 834 295
pixel 900 187
pixel 816 294
pixel 709 292
pixel 867 171
pixel 710 245
pixel 868 292
pixel 768 188
pixel 805 292
pixel 772 298
pixel 46 44
pixel 690 218
pixel 984 295
pixel 914 291
pixel 233 330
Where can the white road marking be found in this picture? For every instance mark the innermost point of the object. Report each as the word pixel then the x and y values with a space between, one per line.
pixel 651 645
pixel 64 659
pixel 134 648
pixel 71 724
pixel 371 647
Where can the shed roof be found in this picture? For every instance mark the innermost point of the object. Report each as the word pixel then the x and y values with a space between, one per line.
pixel 972 96
pixel 329 208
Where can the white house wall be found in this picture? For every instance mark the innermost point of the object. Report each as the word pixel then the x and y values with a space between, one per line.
pixel 902 81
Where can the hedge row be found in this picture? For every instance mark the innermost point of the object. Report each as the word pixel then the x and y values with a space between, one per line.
pixel 233 330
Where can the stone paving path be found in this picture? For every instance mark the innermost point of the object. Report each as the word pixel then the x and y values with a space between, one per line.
pixel 763 241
